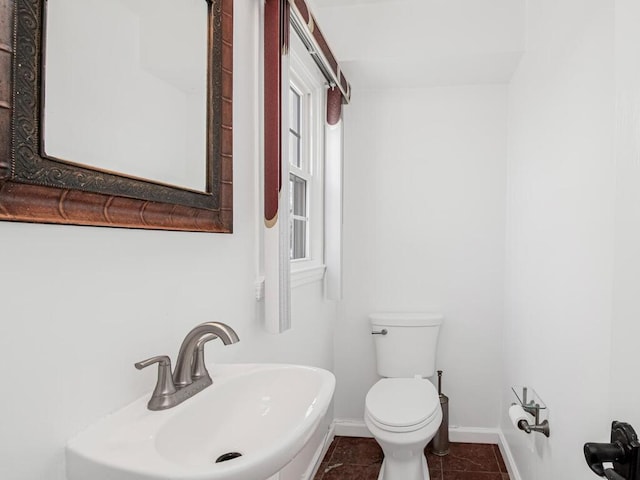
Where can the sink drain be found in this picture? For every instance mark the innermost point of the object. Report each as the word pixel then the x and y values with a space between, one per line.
pixel 228 456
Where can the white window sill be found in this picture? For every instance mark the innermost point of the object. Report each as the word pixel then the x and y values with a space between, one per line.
pixel 304 275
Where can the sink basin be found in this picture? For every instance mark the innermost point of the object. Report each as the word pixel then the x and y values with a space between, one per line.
pixel 264 412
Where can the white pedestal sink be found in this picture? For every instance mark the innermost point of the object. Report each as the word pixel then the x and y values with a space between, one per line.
pixel 264 412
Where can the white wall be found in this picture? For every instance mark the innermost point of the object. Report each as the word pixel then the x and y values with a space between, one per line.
pixel 559 269
pixel 424 229
pixel 83 304
pixel 625 389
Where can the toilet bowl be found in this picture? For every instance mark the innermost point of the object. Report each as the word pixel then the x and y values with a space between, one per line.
pixel 403 414
pixel 402 410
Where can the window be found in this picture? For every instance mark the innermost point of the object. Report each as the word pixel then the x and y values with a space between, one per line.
pixel 299 177
pixel 306 159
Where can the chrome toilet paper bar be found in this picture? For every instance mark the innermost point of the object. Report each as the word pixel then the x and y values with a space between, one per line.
pixel 518 415
pixel 518 412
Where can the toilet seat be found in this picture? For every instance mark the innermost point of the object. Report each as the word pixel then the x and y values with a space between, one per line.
pixel 402 404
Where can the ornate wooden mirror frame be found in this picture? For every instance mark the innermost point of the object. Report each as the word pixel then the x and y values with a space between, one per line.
pixel 42 189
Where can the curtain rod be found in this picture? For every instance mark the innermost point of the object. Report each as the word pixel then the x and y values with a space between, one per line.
pixel 305 31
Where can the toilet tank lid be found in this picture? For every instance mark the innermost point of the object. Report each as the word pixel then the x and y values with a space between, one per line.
pixel 415 319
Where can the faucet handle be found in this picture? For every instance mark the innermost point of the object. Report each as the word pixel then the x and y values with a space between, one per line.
pixel 163 360
pixel 164 385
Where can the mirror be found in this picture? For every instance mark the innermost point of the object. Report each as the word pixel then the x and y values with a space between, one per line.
pixel 170 169
pixel 134 102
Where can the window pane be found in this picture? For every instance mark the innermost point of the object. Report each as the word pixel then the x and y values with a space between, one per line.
pixel 298 239
pixel 298 209
pixel 294 150
pixel 298 204
pixel 294 111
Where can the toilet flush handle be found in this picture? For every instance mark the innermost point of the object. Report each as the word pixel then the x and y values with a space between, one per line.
pixel 381 332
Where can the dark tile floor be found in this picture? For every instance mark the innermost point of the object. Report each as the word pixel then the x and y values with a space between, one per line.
pixel 350 458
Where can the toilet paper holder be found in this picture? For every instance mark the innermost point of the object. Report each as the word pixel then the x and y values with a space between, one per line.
pixel 529 401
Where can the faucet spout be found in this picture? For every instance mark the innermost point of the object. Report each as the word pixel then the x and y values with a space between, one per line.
pixel 194 340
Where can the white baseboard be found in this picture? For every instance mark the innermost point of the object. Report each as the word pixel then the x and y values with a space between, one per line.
pixel 320 453
pixel 473 435
pixel 509 461
pixel 349 427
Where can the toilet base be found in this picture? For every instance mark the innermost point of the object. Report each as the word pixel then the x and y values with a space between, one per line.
pixel 404 471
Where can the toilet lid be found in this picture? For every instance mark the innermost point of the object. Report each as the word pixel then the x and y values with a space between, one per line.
pixel 402 402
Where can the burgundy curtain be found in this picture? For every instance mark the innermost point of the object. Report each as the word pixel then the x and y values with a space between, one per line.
pixel 276 43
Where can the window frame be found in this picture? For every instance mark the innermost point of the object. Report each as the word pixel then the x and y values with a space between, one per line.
pixel 306 79
pixel 304 171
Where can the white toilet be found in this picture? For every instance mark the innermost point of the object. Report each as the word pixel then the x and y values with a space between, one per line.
pixel 402 410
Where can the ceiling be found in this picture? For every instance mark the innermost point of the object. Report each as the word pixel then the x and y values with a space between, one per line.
pixel 414 43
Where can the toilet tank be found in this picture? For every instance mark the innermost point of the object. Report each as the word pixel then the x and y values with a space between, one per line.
pixel 409 347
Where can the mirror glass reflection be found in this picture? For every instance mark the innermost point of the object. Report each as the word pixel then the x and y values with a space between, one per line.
pixel 125 87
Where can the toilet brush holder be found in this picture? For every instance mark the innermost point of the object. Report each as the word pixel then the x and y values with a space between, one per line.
pixel 440 442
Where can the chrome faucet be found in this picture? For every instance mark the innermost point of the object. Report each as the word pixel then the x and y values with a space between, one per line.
pixel 190 375
pixel 191 354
